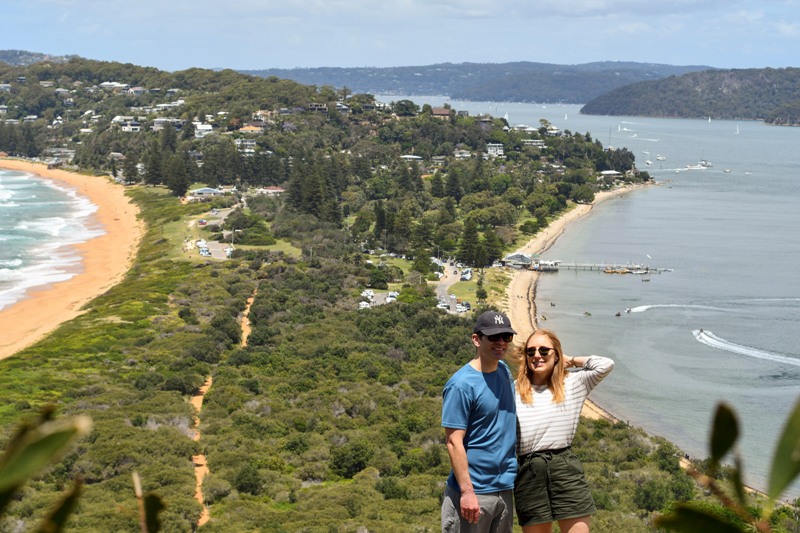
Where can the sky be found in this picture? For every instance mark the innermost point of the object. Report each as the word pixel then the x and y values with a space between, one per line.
pixel 258 34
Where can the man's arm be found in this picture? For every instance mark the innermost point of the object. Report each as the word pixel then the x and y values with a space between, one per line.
pixel 470 508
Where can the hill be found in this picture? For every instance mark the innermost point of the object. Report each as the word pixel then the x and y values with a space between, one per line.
pixel 772 95
pixel 22 58
pixel 521 81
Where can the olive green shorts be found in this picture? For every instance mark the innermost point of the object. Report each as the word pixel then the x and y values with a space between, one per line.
pixel 550 486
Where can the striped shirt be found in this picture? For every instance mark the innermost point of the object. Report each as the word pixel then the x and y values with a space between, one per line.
pixel 544 425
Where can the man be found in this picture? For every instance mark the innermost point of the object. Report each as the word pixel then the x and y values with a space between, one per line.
pixel 479 420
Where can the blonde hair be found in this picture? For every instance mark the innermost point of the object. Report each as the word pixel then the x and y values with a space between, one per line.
pixel 524 381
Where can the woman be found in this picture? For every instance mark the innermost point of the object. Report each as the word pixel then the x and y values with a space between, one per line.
pixel 550 484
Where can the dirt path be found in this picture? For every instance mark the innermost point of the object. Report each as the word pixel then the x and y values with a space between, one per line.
pixel 200 465
pixel 246 319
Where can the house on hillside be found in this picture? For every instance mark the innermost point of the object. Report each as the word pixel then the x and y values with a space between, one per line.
pixel 536 143
pixel 252 129
pixel 442 113
pixel 495 150
pixel 202 129
pixel 271 191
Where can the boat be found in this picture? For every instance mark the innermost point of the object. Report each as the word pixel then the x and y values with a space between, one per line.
pixel 661 157
pixel 702 164
pixel 648 162
pixel 737 130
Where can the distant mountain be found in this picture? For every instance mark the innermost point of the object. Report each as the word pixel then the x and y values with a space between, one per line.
pixel 22 58
pixel 501 82
pixel 772 95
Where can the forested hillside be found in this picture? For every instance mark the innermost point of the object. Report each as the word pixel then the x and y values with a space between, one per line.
pixel 521 81
pixel 328 418
pixel 772 95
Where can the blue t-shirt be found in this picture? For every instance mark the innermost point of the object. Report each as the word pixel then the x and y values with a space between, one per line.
pixel 483 405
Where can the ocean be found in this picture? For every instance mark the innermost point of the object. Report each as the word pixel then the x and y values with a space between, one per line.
pixel 40 222
pixel 723 324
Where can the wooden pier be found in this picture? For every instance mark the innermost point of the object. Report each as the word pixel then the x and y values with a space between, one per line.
pixel 614 268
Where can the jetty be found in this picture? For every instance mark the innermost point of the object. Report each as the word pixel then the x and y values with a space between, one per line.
pixel 614 268
pixel 526 262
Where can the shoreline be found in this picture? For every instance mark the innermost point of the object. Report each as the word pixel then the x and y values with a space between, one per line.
pixel 521 291
pixel 104 259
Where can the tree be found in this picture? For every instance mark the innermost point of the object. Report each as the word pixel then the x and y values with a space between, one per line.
pixel 177 174
pixel 492 245
pixel 405 108
pixel 453 187
pixel 437 186
pixel 583 194
pixel 168 138
pixel 129 169
pixel 351 458
pixel 248 479
pixel 154 165
pixel 468 247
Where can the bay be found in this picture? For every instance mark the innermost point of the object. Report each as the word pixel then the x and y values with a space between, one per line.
pixel 723 324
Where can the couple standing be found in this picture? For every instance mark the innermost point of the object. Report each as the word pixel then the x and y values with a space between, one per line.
pixel 509 439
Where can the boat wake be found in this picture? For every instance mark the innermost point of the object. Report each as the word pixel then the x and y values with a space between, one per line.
pixel 709 339
pixel 643 308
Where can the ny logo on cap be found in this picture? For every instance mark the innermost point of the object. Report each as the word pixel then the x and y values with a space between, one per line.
pixel 498 319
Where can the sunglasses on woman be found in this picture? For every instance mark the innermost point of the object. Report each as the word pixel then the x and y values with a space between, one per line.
pixel 544 351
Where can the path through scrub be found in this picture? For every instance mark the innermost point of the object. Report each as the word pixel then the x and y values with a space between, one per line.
pixel 200 464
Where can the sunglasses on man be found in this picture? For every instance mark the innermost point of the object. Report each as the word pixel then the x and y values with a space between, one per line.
pixel 508 337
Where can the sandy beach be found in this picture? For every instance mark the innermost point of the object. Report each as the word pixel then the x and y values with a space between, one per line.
pixel 521 292
pixel 106 259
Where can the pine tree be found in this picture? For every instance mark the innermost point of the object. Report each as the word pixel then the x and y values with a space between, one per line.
pixel 468 247
pixel 154 165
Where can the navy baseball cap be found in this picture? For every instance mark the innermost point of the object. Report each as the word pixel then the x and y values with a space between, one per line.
pixel 492 323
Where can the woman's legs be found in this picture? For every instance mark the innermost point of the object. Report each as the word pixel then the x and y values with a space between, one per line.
pixel 538 528
pixel 574 525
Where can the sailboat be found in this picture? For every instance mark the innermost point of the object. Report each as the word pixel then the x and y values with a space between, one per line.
pixel 737 130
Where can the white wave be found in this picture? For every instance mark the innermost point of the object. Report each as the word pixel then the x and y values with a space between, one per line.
pixel 709 339
pixel 643 308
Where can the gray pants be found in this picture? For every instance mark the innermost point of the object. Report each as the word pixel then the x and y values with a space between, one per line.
pixel 497 513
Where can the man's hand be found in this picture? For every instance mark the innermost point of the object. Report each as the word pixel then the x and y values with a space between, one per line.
pixel 470 508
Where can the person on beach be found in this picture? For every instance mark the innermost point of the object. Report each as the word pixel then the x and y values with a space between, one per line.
pixel 479 420
pixel 550 485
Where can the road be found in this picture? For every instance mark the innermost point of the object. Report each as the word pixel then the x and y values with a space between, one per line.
pixel 451 276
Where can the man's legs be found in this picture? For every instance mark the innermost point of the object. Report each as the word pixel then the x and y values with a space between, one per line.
pixel 497 513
